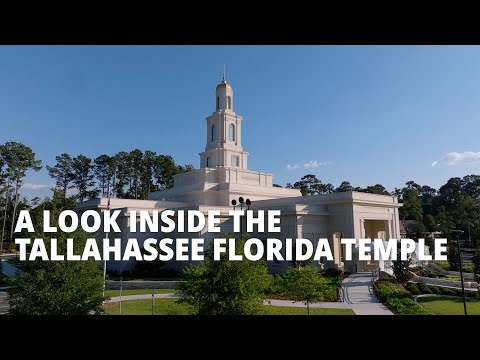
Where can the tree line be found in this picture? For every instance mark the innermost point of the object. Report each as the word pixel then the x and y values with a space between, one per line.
pixel 127 175
pixel 455 205
pixel 135 174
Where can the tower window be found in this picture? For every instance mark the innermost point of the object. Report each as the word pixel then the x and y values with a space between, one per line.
pixel 232 132
pixel 209 161
pixel 235 160
pixel 213 136
pixel 229 102
pixel 218 103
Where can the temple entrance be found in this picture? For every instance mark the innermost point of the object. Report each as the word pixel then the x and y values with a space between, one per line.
pixel 373 229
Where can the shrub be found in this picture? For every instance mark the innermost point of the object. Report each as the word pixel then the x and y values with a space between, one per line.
pixel 424 289
pixel 413 288
pixel 398 299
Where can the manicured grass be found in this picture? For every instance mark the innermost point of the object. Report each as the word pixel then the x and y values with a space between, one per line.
pixel 467 267
pixel 125 292
pixel 170 307
pixel 144 307
pixel 284 310
pixel 449 305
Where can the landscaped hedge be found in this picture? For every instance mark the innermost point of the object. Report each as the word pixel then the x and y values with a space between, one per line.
pixel 397 298
pixel 419 288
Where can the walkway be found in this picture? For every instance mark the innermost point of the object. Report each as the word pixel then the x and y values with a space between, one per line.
pixel 4 306
pixel 359 296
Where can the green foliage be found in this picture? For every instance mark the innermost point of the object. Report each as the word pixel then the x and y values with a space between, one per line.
pixel 225 287
pixel 344 187
pixel 453 256
pixel 305 284
pixel 62 172
pixel 476 265
pixel 397 298
pixel 15 160
pixel 59 287
pixel 401 269
pixel 311 185
pixel 83 178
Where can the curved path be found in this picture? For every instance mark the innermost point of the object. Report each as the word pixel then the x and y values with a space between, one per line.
pixel 358 292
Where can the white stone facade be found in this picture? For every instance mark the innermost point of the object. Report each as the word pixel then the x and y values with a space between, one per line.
pixel 219 180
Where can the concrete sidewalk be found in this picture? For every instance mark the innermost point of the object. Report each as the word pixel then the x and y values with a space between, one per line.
pixel 359 295
pixel 357 288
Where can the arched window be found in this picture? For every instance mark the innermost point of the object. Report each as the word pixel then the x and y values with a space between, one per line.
pixel 209 161
pixel 232 132
pixel 213 133
pixel 218 103
pixel 229 102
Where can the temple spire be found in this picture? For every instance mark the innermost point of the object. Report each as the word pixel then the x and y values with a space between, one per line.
pixel 223 79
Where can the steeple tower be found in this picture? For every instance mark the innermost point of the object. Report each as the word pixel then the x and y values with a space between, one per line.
pixel 223 147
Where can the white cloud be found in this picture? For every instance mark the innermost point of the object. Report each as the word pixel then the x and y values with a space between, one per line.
pixel 434 163
pixel 292 167
pixel 31 186
pixel 456 158
pixel 315 164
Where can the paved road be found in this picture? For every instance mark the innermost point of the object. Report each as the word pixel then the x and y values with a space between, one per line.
pixel 359 295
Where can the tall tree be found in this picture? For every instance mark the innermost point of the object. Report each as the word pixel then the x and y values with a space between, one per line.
pixel 164 169
pixel 104 170
pixel 123 173
pixel 453 256
pixel 62 172
pixel 344 187
pixel 309 185
pixel 411 209
pixel 19 159
pixel 146 174
pixel 378 189
pixel 136 158
pixel 82 178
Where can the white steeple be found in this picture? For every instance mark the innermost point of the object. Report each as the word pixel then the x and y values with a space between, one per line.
pixel 223 147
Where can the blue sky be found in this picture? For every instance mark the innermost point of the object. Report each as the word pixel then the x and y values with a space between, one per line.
pixel 366 114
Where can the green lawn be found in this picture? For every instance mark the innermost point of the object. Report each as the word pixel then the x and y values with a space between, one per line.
pixel 284 310
pixel 449 305
pixel 112 293
pixel 144 307
pixel 169 307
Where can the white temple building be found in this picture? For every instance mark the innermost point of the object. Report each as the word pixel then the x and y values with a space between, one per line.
pixel 224 176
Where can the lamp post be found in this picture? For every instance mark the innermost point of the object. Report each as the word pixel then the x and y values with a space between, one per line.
pixel 457 233
pixel 241 201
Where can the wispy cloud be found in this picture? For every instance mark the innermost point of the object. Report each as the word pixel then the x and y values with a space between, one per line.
pixel 456 158
pixel 292 167
pixel 434 163
pixel 32 186
pixel 315 164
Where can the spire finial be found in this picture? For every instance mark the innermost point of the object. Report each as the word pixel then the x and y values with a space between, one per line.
pixel 223 73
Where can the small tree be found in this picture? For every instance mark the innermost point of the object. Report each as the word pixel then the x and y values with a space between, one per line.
pixel 226 287
pixel 305 284
pixel 452 256
pixel 401 268
pixel 59 287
